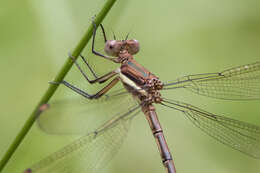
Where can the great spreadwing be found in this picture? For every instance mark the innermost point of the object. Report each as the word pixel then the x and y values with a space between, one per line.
pixel 141 92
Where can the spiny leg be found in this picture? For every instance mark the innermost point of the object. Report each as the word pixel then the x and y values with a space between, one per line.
pixel 101 79
pixel 93 42
pixel 85 61
pixel 104 33
pixel 86 95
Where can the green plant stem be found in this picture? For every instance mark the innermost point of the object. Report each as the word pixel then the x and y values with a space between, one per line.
pixel 52 88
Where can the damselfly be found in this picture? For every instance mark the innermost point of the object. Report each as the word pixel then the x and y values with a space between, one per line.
pixel 141 92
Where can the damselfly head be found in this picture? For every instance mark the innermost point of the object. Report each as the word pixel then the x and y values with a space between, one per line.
pixel 114 47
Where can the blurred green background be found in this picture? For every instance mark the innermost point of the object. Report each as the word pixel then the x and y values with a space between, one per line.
pixel 177 38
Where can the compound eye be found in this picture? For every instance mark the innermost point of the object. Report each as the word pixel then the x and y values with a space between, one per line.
pixel 112 47
pixel 133 46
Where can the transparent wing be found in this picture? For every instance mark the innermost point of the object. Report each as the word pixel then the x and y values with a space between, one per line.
pixel 92 151
pixel 239 83
pixel 239 135
pixel 80 115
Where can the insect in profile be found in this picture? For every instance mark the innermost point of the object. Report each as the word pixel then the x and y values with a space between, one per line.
pixel 141 92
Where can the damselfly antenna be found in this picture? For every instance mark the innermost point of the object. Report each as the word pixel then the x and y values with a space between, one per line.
pixel 114 36
pixel 127 36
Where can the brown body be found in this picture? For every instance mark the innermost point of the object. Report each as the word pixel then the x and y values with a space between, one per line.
pixel 146 90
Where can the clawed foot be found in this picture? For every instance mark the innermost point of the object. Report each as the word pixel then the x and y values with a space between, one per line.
pixel 55 83
pixel 93 20
pixel 72 57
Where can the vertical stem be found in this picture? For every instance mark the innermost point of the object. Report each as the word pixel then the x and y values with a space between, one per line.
pixel 52 88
